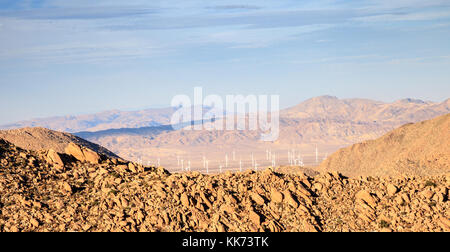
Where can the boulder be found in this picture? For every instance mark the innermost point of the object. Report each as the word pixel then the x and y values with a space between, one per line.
pixel 367 198
pixel 132 167
pixel 54 158
pixel 255 218
pixel 66 188
pixel 91 156
pixel 290 199
pixel 257 199
pixel 185 200
pixel 82 154
pixel 444 223
pixel 276 196
pixel 391 190
pixel 75 151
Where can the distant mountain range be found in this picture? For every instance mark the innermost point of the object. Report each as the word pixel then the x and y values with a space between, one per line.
pixel 327 122
pixel 363 110
pixel 113 119
pixel 323 107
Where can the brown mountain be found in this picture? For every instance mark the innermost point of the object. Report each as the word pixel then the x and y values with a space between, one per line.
pixel 37 139
pixel 328 122
pixel 416 149
pixel 363 110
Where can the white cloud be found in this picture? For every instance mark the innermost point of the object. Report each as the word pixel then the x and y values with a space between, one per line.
pixel 84 52
pixel 242 37
pixel 71 41
pixel 65 33
pixel 402 4
pixel 418 16
pixel 340 59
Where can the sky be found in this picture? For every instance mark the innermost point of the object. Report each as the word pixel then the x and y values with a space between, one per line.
pixel 67 57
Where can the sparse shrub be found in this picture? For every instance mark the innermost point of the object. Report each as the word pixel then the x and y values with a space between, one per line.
pixel 45 198
pixel 384 224
pixel 90 183
pixel 430 184
pixel 115 192
pixel 115 174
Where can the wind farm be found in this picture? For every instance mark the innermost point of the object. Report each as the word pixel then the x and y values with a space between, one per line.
pixel 211 163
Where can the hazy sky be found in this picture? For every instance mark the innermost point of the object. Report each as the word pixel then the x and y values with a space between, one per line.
pixel 61 57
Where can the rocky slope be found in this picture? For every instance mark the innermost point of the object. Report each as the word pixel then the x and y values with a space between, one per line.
pixel 417 149
pixel 49 191
pixel 45 139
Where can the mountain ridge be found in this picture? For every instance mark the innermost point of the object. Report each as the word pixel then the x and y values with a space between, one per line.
pixel 326 122
pixel 321 123
pixel 37 139
pixel 99 121
pixel 420 149
pixel 117 119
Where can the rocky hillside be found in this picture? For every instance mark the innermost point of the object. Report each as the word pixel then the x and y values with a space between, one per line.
pixel 419 149
pixel 45 139
pixel 50 191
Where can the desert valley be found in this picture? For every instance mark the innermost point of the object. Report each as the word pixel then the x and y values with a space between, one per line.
pixel 325 122
pixel 56 181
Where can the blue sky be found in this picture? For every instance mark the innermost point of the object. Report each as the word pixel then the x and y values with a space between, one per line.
pixel 60 57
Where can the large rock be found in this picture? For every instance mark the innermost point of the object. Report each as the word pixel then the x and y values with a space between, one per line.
pixel 255 218
pixel 91 156
pixel 391 189
pixel 277 197
pixel 185 200
pixel 75 151
pixel 54 158
pixel 366 197
pixel 444 223
pixel 289 198
pixel 257 199
pixel 82 154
